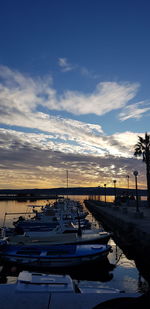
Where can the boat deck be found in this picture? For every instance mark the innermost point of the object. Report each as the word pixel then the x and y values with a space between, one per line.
pixel 11 299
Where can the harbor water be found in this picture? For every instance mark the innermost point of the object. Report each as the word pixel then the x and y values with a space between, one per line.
pixel 117 271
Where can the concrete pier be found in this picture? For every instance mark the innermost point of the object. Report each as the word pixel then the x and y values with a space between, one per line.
pixel 130 227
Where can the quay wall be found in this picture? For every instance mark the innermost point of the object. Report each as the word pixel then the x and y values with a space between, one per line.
pixel 131 230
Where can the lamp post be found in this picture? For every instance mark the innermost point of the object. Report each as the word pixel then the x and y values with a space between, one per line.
pixel 128 183
pixel 114 181
pixel 67 182
pixel 135 173
pixel 128 190
pixel 99 193
pixel 105 191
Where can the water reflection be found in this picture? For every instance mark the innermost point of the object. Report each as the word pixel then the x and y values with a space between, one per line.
pixel 119 270
pixel 96 271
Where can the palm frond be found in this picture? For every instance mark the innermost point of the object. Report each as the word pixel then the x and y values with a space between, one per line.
pixel 142 148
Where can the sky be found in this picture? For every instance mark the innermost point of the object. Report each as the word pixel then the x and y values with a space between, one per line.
pixel 74 92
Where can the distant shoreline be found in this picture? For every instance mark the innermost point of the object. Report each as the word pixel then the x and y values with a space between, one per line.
pixel 54 193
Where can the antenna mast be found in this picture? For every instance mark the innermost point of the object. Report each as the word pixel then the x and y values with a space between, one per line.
pixel 67 183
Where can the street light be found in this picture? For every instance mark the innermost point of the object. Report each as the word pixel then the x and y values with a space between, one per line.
pixel 67 182
pixel 128 189
pixel 99 194
pixel 135 173
pixel 114 181
pixel 105 192
pixel 128 182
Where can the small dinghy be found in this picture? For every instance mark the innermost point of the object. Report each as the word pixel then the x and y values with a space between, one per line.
pixel 39 282
pixel 53 255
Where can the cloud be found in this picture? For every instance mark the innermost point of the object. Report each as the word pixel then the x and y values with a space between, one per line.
pixel 134 111
pixel 20 99
pixel 22 96
pixel 108 96
pixel 85 72
pixel 70 136
pixel 117 145
pixel 67 130
pixel 31 160
pixel 51 144
pixel 65 65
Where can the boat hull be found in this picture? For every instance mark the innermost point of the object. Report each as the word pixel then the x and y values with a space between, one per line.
pixel 53 238
pixel 54 256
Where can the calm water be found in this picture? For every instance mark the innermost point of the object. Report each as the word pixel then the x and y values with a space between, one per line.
pixel 117 272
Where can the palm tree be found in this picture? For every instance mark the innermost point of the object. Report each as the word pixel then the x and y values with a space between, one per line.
pixel 142 148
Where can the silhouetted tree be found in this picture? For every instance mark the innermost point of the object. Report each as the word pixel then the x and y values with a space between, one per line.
pixel 142 148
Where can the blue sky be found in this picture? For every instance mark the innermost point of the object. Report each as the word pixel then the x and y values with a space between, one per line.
pixel 74 91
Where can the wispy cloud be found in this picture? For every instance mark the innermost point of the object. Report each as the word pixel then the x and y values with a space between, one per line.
pixel 107 96
pixel 21 94
pixel 134 110
pixel 65 65
pixel 79 142
pixel 87 73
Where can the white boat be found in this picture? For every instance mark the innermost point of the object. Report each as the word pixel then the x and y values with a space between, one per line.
pixel 54 232
pixel 61 235
pixel 46 291
pixel 41 282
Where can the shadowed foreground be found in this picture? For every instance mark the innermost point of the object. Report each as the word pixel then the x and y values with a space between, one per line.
pixel 142 302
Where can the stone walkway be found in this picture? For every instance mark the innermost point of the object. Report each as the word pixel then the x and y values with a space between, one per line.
pixel 132 225
pixel 129 213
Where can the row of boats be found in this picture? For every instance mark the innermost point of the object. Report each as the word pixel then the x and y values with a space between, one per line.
pixel 58 235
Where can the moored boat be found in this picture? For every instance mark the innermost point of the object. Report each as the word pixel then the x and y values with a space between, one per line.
pixel 60 235
pixel 45 291
pixel 54 283
pixel 58 256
